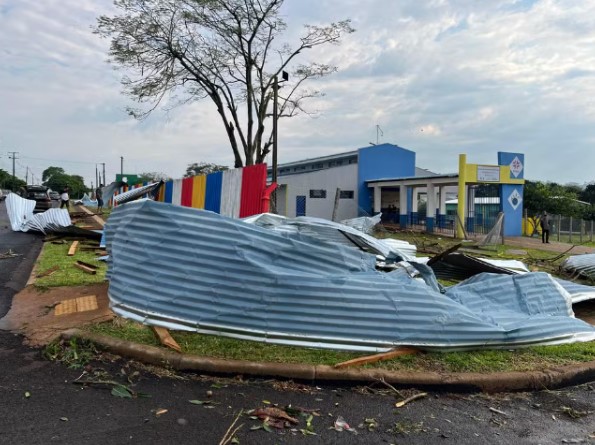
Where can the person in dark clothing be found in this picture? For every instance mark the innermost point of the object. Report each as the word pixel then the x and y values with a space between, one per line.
pixel 99 196
pixel 544 221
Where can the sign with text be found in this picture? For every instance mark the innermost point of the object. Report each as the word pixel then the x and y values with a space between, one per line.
pixel 488 173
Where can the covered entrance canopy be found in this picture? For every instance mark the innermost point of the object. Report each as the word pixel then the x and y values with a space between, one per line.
pixel 401 193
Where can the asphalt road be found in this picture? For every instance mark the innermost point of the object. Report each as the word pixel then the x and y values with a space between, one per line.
pixel 41 404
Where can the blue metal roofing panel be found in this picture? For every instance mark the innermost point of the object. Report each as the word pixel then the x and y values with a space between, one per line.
pixel 191 269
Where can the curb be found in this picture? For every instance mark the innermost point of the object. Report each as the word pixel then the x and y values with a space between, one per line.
pixel 451 382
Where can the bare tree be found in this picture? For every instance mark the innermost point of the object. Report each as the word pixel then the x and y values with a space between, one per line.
pixel 224 50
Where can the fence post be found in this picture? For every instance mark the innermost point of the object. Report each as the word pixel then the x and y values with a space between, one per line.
pixel 582 226
pixel 591 232
pixel 559 226
pixel 570 231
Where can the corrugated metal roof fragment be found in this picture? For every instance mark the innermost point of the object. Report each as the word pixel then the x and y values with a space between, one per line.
pixel 583 265
pixel 190 269
pixel 22 218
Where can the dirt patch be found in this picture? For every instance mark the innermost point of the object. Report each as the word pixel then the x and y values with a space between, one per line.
pixel 585 311
pixel 33 312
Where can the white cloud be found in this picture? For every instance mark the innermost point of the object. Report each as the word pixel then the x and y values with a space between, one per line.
pixel 439 77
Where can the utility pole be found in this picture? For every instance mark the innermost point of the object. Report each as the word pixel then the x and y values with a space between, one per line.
pixel 285 77
pixel 121 166
pixel 27 175
pixel 96 175
pixel 13 157
pixel 104 182
pixel 275 112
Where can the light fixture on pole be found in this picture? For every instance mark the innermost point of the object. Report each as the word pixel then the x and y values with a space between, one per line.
pixel 285 77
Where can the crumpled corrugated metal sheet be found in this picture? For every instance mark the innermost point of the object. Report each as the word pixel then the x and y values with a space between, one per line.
pixel 190 269
pixel 133 194
pixel 364 224
pixel 22 218
pixel 333 232
pixel 581 264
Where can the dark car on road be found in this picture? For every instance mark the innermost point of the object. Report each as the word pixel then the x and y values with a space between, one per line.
pixel 55 196
pixel 40 194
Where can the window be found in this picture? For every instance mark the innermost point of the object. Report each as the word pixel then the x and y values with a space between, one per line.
pixel 318 194
pixel 346 194
pixel 317 166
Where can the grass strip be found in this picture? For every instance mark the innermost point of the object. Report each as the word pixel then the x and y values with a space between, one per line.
pixel 526 359
pixel 67 274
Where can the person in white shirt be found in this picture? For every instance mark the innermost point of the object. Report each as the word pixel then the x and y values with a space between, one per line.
pixel 64 199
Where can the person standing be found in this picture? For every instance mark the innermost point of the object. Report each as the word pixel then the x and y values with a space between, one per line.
pixel 65 198
pixel 544 221
pixel 99 196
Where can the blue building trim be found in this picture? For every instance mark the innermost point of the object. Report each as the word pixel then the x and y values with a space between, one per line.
pixel 379 162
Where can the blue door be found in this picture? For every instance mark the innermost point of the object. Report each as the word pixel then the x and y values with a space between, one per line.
pixel 300 206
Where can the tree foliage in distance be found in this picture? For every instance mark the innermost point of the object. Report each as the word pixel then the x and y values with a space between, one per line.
pixel 56 179
pixel 203 168
pixel 9 182
pixel 228 51
pixel 153 177
pixel 553 198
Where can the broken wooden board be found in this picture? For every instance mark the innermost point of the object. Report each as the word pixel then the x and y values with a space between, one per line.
pixel 80 304
pixel 85 268
pixel 47 272
pixel 73 247
pixel 377 357
pixel 165 338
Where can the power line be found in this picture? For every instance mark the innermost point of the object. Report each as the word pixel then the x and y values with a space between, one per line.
pixel 58 160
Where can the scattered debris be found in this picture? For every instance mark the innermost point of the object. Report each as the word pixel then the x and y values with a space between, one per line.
pixel 160 412
pixel 165 338
pixel 583 265
pixel 341 425
pixel 48 272
pixel 8 254
pixel 497 411
pixel 229 436
pixel 377 357
pixel 73 247
pixel 86 267
pixel 80 304
pixel 117 389
pixel 411 399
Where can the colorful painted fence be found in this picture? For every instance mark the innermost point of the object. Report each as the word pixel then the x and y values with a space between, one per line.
pixel 235 193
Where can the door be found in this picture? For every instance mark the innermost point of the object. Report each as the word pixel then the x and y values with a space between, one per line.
pixel 300 206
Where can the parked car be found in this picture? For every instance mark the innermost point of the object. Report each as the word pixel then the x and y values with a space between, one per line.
pixel 40 194
pixel 54 196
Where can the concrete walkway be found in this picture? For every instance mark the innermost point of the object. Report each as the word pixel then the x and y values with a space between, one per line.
pixel 553 246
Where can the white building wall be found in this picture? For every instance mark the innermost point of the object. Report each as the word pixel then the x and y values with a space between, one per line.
pixel 343 177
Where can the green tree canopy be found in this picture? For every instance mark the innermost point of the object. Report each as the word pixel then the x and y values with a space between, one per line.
pixel 56 179
pixel 203 168
pixel 229 51
pixel 9 182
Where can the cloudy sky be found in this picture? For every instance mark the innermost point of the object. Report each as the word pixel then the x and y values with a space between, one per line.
pixel 440 77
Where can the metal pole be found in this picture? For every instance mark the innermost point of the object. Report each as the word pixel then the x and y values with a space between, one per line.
pixel 559 226
pixel 121 166
pixel 96 175
pixel 13 157
pixel 103 163
pixel 275 117
pixel 570 231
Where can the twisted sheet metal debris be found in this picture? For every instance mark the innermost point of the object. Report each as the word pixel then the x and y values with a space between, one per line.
pixel 583 265
pixel 22 218
pixel 136 193
pixel 364 224
pixel 329 231
pixel 189 269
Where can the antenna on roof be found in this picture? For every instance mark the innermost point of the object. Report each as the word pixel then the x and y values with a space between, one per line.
pixel 379 133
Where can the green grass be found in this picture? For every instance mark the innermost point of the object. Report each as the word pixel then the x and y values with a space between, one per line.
pixel 67 275
pixel 541 357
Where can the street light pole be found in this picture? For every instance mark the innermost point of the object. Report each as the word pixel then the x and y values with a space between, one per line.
pixel 275 117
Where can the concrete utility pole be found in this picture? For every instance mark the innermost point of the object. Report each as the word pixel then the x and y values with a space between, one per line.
pixel 121 166
pixel 104 181
pixel 96 175
pixel 13 157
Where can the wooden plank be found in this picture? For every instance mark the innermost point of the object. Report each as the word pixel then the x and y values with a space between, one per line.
pixel 47 272
pixel 85 269
pixel 90 266
pixel 165 338
pixel 73 247
pixel 378 357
